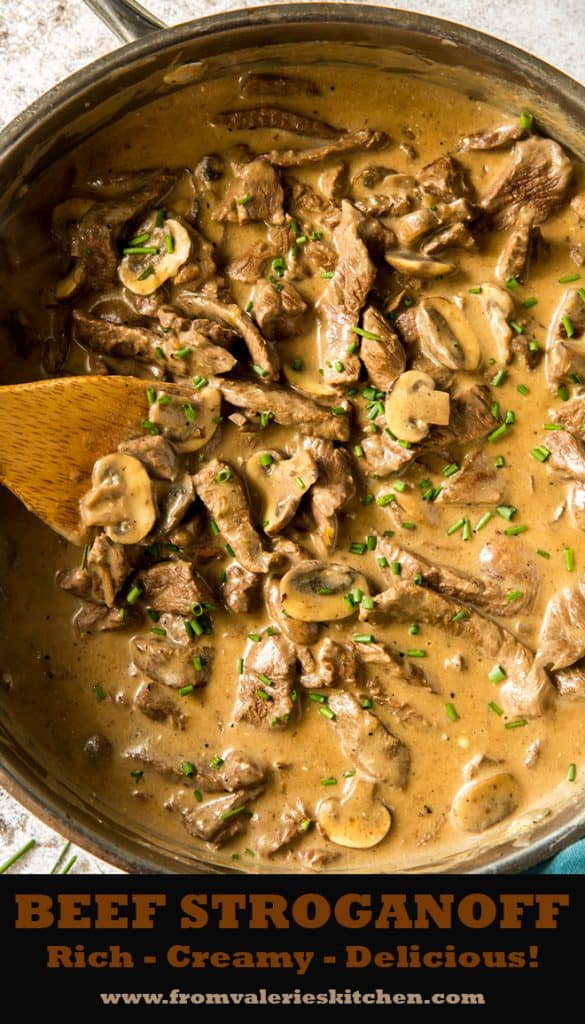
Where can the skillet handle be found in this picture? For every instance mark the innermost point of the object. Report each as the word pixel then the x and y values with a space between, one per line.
pixel 127 19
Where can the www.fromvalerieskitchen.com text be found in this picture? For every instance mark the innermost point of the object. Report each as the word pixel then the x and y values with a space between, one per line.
pixel 262 997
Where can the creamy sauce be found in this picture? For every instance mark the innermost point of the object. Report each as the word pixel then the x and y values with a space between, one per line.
pixel 51 699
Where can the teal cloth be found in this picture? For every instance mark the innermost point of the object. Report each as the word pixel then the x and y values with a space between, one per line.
pixel 569 862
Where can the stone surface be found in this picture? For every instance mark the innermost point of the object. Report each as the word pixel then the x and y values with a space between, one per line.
pixel 42 43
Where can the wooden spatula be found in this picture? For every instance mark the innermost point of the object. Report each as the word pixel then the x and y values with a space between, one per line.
pixel 52 432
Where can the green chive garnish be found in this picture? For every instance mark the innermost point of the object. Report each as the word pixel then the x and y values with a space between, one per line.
pixel 451 712
pixel 569 557
pixel 497 674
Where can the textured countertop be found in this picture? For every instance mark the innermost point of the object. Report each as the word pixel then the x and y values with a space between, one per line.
pixel 42 43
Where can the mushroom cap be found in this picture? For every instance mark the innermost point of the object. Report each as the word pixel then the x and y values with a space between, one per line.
pixel 359 820
pixel 314 591
pixel 482 803
pixel 121 499
pixel 413 404
pixel 144 273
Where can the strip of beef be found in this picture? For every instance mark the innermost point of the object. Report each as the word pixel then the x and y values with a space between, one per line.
pixel 278 309
pixel 344 298
pixel 334 182
pixel 189 353
pixel 510 565
pixel 567 456
pixel 236 771
pixel 224 496
pixel 490 595
pixel 105 572
pixel 252 263
pixel 470 419
pixel 571 415
pixel 218 334
pixel 316 858
pixel 172 664
pixel 367 743
pixel 570 682
pixel 456 236
pixel 521 247
pixel 255 194
pixel 262 352
pixel 527 691
pixel 334 488
pixel 384 456
pixel 94 242
pixel 119 340
pixel 363 139
pixel 444 179
pixel 576 505
pixel 292 823
pixel 337 665
pixel 265 83
pixel 275 119
pixel 173 587
pixel 215 821
pixel 477 482
pixel 382 355
pixel 562 637
pixel 143 755
pixel 267 704
pixel 98 618
pixel 493 139
pixel 240 589
pixel 158 706
pixel 564 340
pixel 537 176
pixel 156 454
pixel 396 669
pixel 309 207
pixel 289 408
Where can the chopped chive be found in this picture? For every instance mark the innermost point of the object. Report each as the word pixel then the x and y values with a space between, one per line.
pixel 477 290
pixel 349 601
pixel 569 558
pixel 415 652
pixel 417 579
pixel 569 278
pixel 459 616
pixel 358 451
pixel 357 595
pixel 466 530
pixel 522 389
pixel 265 679
pixel 230 551
pixel 189 412
pixel 516 724
pixel 529 302
pixel 84 556
pixel 199 382
pixel 507 511
pixel 455 527
pixel 259 370
pixel 183 353
pixel 366 334
pixel 511 283
pixel 399 485
pixel 543 553
pixel 158 220
pixel 363 638
pixel 352 349
pixel 214 527
pixel 169 243
pixel 499 378
pixel 483 521
pixel 297 364
pixel 514 595
pixel 563 393
pixel 496 410
pixel 498 432
pixel 572 772
pixel 339 366
pixel 316 236
pixel 140 250
pixel 301 483
pixel 510 417
pixel 151 427
pixel 159 352
pixel 568 325
pixel 396 568
pixel 382 562
pixel 451 712
pixel 293 695
pixel 146 273
pixel 188 769
pixel 223 476
pixel 266 459
pixel 516 327
pixel 414 629
pixel 69 865
pixel 244 200
pixel 137 774
pixel 371 542
pixel 497 674
pixel 327 713
pixel 514 531
pixel 526 120
pixel 367 499
pixel 385 499
pixel 553 426
pixel 540 453
pixel 338 410
pixel 327 275
pixel 240 666
pixel 451 469
pixel 497 710
pixel 232 814
pixel 216 761
pixel 254 637
pixel 55 869
pixel 158 631
pixel 140 239
pixel 198 795
pixel 134 593
pixel 185 691
pixel 99 692
pixel 164 400
pixel 317 698
pixel 262 695
pixel 368 603
pixel 331 781
pixel 357 549
pixel 197 663
pixel 349 773
pixel 408 526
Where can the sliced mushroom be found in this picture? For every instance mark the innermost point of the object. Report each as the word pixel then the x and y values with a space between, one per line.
pixel 188 423
pixel 303 634
pixel 489 311
pixel 418 266
pixel 69 285
pixel 480 804
pixel 142 273
pixel 445 334
pixel 413 405
pixel 315 591
pixel 120 500
pixel 279 484
pixel 410 228
pixel 358 820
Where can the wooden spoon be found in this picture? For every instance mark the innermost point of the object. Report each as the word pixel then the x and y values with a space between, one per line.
pixel 52 432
